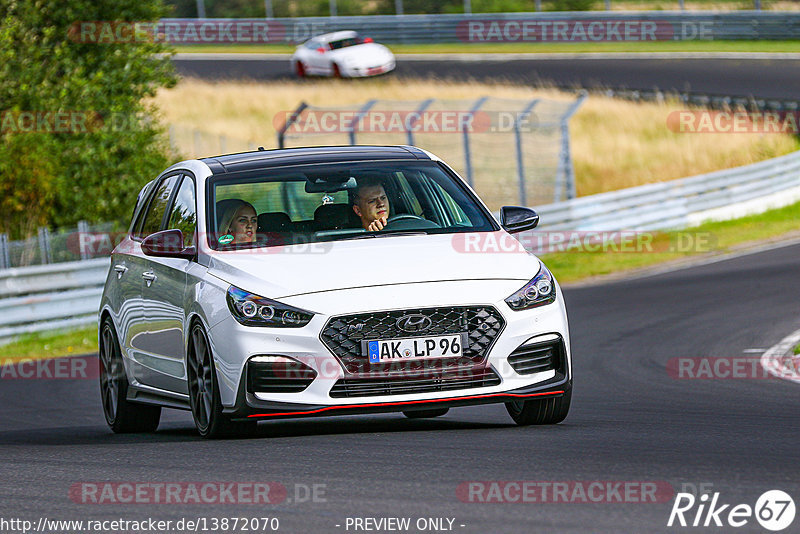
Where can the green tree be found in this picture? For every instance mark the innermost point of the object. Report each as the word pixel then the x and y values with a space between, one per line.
pixel 92 166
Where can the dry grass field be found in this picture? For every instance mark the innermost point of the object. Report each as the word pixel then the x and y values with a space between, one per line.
pixel 615 143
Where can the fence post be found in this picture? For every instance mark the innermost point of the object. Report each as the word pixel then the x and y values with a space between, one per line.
pixel 83 229
pixel 465 133
pixel 351 128
pixel 5 262
pixel 223 142
pixel 398 7
pixel 413 121
pixel 523 201
pixel 44 245
pixel 565 174
pixel 332 5
pixel 196 142
pixel 268 8
pixel 289 121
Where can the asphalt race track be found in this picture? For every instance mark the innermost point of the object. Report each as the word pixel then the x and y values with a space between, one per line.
pixel 736 77
pixel 630 421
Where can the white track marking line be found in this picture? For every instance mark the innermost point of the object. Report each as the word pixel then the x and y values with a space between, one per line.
pixel 779 360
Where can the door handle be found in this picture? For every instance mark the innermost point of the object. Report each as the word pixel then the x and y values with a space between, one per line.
pixel 120 269
pixel 149 277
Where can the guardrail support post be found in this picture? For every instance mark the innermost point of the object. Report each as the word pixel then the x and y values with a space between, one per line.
pixel 413 121
pixel 565 174
pixel 351 128
pixel 518 140
pixel 289 121
pixel 465 133
pixel 5 262
pixel 44 245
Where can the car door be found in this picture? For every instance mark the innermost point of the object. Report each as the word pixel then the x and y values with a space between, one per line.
pixel 127 265
pixel 319 62
pixel 165 295
pixel 143 355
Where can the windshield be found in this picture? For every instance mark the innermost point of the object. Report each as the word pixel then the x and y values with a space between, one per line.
pixel 313 203
pixel 350 41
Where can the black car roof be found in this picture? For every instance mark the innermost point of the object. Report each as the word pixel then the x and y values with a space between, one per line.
pixel 262 159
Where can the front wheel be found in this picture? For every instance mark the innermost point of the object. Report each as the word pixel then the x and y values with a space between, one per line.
pixel 547 411
pixel 121 415
pixel 204 392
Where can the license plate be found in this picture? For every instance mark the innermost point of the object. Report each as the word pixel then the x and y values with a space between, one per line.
pixel 414 348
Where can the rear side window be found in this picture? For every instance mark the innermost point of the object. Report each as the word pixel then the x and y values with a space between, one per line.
pixel 158 206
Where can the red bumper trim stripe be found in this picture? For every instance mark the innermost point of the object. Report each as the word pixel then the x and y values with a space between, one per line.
pixel 408 402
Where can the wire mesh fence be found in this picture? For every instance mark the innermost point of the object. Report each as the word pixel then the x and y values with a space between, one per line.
pixel 81 242
pixel 510 151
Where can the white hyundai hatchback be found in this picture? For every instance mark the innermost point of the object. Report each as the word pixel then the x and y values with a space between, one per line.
pixel 343 54
pixel 324 281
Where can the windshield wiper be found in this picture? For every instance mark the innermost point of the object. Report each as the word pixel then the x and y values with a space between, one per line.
pixel 372 235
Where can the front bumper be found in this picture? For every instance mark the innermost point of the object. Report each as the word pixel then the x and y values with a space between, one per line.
pixel 234 345
pixel 362 71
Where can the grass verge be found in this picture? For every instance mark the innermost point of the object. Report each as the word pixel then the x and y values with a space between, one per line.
pixel 530 48
pixel 708 239
pixel 51 344
pixel 615 143
pixel 797 349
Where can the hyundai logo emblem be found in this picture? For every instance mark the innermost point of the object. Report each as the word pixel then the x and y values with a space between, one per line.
pixel 416 322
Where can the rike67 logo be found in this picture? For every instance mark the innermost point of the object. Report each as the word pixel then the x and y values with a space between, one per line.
pixel 774 510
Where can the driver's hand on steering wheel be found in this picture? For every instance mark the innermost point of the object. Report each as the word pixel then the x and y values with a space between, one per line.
pixel 377 224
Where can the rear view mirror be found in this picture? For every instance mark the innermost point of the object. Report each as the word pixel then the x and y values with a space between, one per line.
pixel 167 244
pixel 516 219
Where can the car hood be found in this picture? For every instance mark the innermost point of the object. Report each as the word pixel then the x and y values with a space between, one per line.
pixel 278 272
pixel 363 53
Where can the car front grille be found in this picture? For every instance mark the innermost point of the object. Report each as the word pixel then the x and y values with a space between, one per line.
pixel 537 357
pixel 424 383
pixel 343 336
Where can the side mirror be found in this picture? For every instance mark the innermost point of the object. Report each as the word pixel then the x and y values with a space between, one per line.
pixel 517 219
pixel 167 244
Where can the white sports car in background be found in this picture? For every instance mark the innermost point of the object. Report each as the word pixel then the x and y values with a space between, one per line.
pixel 342 54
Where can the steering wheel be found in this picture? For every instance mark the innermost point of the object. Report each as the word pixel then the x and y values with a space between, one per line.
pixel 403 217
pixel 407 220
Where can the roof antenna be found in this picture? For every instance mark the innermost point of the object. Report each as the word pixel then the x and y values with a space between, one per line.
pixel 260 148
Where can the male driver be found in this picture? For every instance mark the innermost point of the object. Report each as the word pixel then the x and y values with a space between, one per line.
pixel 371 205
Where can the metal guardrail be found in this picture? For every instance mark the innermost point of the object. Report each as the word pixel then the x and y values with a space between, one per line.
pixel 685 202
pixel 62 295
pixel 514 27
pixel 49 297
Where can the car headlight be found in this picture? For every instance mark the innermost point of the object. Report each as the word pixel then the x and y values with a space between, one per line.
pixel 252 310
pixel 538 292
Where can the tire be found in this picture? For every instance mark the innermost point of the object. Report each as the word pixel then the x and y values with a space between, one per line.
pixel 122 416
pixel 300 70
pixel 204 396
pixel 426 414
pixel 335 71
pixel 547 411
